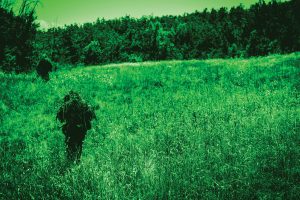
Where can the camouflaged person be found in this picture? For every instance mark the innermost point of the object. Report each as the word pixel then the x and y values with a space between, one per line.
pixel 76 116
pixel 44 68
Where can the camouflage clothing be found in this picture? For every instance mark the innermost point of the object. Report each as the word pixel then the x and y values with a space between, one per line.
pixel 76 116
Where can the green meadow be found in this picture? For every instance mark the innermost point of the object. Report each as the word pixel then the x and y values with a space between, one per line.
pixel 209 129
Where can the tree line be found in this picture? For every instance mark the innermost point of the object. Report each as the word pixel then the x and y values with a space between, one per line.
pixel 262 29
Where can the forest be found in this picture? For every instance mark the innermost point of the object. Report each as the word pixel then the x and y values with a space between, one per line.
pixel 264 28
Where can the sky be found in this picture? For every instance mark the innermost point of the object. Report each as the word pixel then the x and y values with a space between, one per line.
pixel 60 12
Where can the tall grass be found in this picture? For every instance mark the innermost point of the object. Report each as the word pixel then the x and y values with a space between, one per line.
pixel 215 129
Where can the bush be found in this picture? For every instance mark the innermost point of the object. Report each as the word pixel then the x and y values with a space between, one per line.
pixel 17 33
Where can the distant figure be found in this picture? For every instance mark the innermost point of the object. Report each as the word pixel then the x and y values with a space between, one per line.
pixel 76 116
pixel 43 69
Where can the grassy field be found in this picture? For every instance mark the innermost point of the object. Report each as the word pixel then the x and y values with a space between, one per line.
pixel 215 129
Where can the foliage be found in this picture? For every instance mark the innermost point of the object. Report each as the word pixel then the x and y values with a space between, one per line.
pixel 262 29
pixel 213 129
pixel 91 53
pixel 17 34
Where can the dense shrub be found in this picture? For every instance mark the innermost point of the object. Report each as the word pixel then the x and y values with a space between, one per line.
pixel 17 34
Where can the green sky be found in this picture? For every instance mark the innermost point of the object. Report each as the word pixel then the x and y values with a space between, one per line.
pixel 59 12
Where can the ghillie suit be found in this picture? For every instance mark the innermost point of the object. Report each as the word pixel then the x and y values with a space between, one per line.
pixel 43 69
pixel 76 116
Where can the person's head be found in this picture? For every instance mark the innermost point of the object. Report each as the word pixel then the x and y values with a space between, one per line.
pixel 72 96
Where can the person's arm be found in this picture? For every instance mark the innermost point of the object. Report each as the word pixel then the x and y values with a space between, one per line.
pixel 60 114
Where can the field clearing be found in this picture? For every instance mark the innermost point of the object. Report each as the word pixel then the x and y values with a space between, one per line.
pixel 212 129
